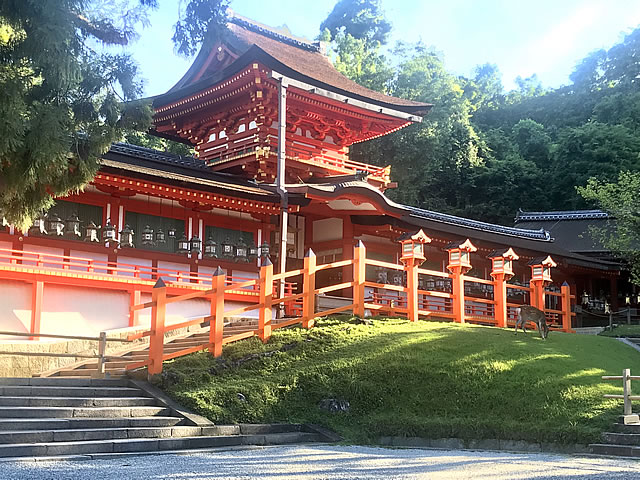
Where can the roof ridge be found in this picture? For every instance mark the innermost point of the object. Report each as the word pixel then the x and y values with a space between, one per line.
pixel 561 215
pixel 273 33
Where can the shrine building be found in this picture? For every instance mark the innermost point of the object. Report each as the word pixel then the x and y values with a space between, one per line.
pixel 251 96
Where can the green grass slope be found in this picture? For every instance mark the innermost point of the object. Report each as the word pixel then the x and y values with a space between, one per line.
pixel 424 379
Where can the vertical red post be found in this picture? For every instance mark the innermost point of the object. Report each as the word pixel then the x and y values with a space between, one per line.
pixel 37 293
pixel 309 290
pixel 347 252
pixel 359 274
pixel 216 321
pixel 565 290
pixel 500 297
pixel 412 291
pixel 457 280
pixel 156 339
pixel 134 299
pixel 266 300
pixel 537 294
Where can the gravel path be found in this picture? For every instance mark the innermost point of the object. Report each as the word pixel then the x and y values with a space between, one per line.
pixel 330 462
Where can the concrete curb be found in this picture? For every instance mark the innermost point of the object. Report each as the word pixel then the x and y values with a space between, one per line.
pixel 630 343
pixel 519 446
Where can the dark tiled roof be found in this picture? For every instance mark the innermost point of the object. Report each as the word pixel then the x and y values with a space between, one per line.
pixel 560 215
pixel 157 156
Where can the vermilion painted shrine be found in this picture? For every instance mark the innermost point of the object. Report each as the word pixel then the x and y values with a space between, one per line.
pixel 150 215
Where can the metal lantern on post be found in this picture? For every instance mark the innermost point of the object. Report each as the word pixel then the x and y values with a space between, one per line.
pixel 126 237
pixel 55 225
pixel 147 236
pixel 460 255
pixel 183 245
pixel 541 268
pixel 227 249
pixel 160 237
pixel 585 298
pixel 241 251
pixel 413 248
pixel 38 227
pixel 502 262
pixel 210 248
pixel 91 233
pixel 195 245
pixel 109 232
pixel 171 233
pixel 72 227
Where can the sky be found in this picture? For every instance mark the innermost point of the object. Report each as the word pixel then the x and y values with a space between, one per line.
pixel 546 37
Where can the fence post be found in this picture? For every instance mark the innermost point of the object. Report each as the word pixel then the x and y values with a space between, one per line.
pixel 537 294
pixel 500 297
pixel 156 339
pixel 359 274
pixel 628 314
pixel 626 390
pixel 216 321
pixel 412 290
pixel 565 290
pixel 309 290
pixel 457 280
pixel 102 348
pixel 266 300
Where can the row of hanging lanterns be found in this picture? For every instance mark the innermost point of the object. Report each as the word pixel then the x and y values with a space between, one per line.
pixel 53 225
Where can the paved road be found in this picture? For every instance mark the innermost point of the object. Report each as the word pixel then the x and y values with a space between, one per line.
pixel 321 462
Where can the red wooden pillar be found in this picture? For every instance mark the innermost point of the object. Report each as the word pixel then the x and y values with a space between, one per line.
pixel 359 274
pixel 459 264
pixel 309 287
pixel 156 339
pixel 216 321
pixel 458 294
pixel 134 299
pixel 565 290
pixel 501 271
pixel 37 293
pixel 265 300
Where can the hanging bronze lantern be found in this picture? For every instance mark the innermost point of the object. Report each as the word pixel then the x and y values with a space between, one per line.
pixel 241 251
pixel 171 233
pixel 126 237
pixel 183 245
pixel 55 225
pixel 72 227
pixel 160 237
pixel 253 252
pixel 227 249
pixel 147 236
pixel 91 233
pixel 264 250
pixel 195 245
pixel 210 248
pixel 109 232
pixel 38 227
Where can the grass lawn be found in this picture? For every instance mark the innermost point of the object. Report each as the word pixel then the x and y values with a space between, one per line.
pixel 623 331
pixel 425 379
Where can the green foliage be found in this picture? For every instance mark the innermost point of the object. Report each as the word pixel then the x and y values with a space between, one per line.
pixel 61 106
pixel 623 331
pixel 425 379
pixel 360 19
pixel 151 141
pixel 621 199
pixel 199 19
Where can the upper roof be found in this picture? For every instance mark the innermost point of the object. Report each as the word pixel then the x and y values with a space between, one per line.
pixel 288 55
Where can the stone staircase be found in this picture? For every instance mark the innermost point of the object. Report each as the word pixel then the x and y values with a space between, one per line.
pixel 623 441
pixel 83 416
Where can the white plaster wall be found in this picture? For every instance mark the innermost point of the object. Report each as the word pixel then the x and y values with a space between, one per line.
pixel 7 246
pixel 47 250
pixel 101 257
pixel 135 261
pixel 83 311
pixel 327 229
pixel 15 307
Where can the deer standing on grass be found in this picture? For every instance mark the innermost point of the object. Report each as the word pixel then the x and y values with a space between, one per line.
pixel 527 313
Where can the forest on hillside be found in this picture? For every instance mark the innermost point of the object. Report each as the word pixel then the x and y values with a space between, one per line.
pixel 482 152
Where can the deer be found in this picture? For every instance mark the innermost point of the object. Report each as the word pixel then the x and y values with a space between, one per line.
pixel 527 313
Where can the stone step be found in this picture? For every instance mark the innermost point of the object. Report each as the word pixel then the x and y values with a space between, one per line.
pixel 13 424
pixel 150 444
pixel 268 428
pixel 630 428
pixel 58 382
pixel 622 438
pixel 53 390
pixel 617 450
pixel 88 372
pixel 77 401
pixel 74 412
pixel 85 434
